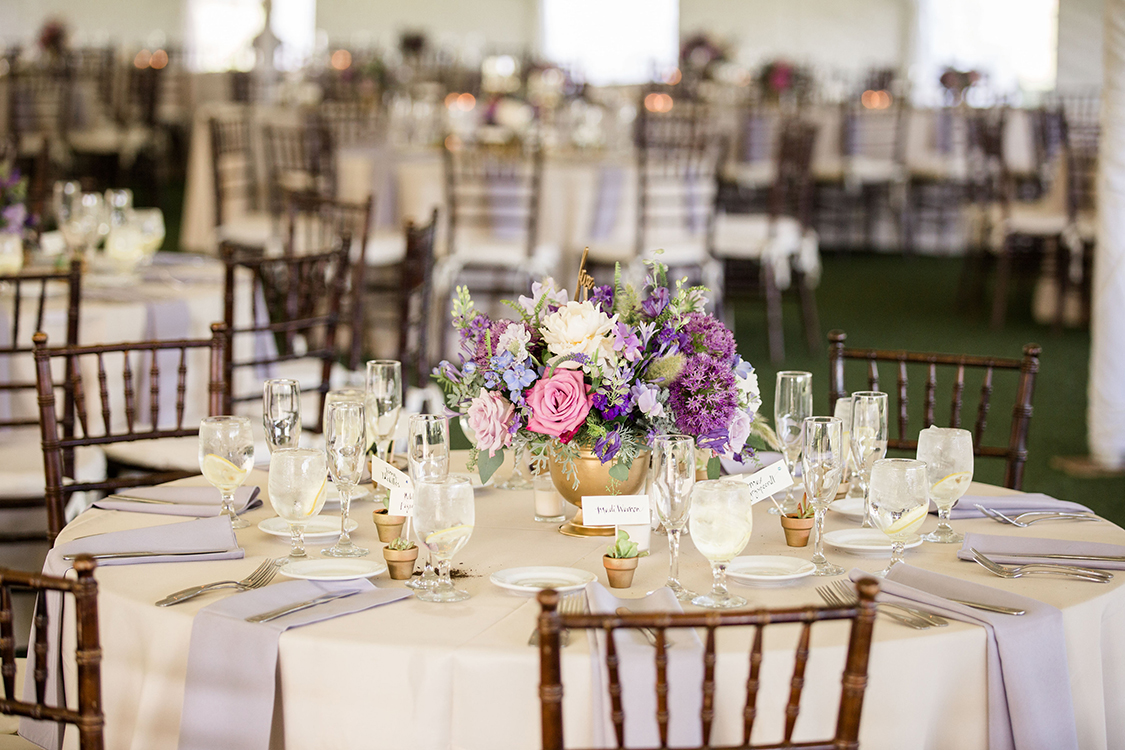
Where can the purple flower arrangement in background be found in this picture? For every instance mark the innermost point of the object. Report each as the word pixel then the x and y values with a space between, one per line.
pixel 13 194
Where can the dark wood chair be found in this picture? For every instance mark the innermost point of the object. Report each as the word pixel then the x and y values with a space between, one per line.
pixel 88 655
pixel 299 159
pixel 853 681
pixel 415 291
pixel 238 217
pixel 1014 451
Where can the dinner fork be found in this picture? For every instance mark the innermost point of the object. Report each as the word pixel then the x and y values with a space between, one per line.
pixel 262 575
pixel 1018 571
pixel 848 594
pixel 571 603
pixel 832 599
pixel 1043 515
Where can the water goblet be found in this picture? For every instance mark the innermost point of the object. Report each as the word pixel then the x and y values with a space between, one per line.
pixel 428 454
pixel 899 497
pixel 297 484
pixel 822 461
pixel 948 453
pixel 346 444
pixel 281 413
pixel 868 440
pixel 444 515
pixel 383 402
pixel 226 455
pixel 792 403
pixel 673 477
pixel 722 520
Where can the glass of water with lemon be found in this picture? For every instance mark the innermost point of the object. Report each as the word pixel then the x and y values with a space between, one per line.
pixel 948 453
pixel 444 515
pixel 722 519
pixel 226 455
pixel 297 486
pixel 899 497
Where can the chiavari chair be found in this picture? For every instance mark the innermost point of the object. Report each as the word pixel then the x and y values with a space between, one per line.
pixel 298 159
pixel 936 156
pixel 237 216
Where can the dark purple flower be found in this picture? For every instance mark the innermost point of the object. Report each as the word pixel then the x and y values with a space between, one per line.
pixel 656 302
pixel 704 397
pixel 611 410
pixel 607 447
pixel 706 335
pixel 602 297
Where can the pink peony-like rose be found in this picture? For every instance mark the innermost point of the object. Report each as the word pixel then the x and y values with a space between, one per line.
pixel 490 416
pixel 559 404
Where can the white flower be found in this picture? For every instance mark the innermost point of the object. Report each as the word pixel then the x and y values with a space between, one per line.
pixel 749 394
pixel 580 328
pixel 515 339
pixel 738 431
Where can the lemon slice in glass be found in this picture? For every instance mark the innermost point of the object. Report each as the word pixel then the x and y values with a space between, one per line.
pixel 220 472
pixel 953 485
pixel 908 521
pixel 448 539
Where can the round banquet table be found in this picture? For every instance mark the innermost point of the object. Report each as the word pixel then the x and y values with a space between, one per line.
pixel 415 674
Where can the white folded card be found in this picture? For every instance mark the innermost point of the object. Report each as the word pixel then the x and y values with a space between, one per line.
pixel 615 510
pixel 768 481
pixel 402 501
pixel 388 476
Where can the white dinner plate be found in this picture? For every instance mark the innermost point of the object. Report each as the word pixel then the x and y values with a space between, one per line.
pixel 320 527
pixel 852 508
pixel 866 542
pixel 533 579
pixel 342 569
pixel 768 570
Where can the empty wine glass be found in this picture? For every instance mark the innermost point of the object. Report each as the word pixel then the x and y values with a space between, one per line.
pixel 297 488
pixel 346 444
pixel 281 413
pixel 444 515
pixel 82 228
pixel 518 479
pixel 383 395
pixel 899 497
pixel 673 477
pixel 428 454
pixel 822 462
pixel 722 519
pixel 792 403
pixel 226 455
pixel 843 412
pixel 948 453
pixel 868 439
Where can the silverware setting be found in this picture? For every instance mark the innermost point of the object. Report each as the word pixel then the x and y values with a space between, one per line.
pixel 292 608
pixel 1036 516
pixel 847 592
pixel 260 576
pixel 1064 571
pixel 126 555
pixel 998 609
pixel 135 499
pixel 648 633
pixel 570 603
pixel 833 599
pixel 1061 556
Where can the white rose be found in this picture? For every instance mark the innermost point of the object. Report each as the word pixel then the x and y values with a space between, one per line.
pixel 748 393
pixel 579 328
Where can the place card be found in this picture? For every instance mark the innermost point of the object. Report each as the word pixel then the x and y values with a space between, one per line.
pixel 388 476
pixel 402 501
pixel 767 482
pixel 615 510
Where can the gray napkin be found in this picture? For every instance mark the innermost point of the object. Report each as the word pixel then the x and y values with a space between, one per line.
pixel 1010 504
pixel 1029 701
pixel 1000 549
pixel 229 694
pixel 201 502
pixel 637 670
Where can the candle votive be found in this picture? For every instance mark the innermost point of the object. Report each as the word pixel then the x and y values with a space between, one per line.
pixel 550 507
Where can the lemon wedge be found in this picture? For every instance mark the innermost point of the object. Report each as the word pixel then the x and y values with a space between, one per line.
pixel 319 502
pixel 909 520
pixel 221 472
pixel 445 536
pixel 953 485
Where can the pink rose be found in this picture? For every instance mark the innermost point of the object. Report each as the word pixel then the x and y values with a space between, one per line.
pixel 490 416
pixel 559 404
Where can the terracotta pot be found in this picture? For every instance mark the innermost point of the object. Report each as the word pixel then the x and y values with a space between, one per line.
pixel 400 562
pixel 797 530
pixel 388 526
pixel 620 570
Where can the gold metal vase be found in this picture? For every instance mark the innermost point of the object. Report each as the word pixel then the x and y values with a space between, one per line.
pixel 594 479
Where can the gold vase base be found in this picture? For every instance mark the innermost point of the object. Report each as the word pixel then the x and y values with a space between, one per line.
pixel 575 527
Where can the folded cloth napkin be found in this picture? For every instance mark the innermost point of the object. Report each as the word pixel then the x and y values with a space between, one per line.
pixel 1003 548
pixel 1029 701
pixel 229 693
pixel 637 670
pixel 177 500
pixel 1009 504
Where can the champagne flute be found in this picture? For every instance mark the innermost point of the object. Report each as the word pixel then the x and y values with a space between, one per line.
pixel 843 412
pixel 444 515
pixel 899 497
pixel 948 453
pixel 226 455
pixel 383 403
pixel 868 439
pixel 673 477
pixel 822 461
pixel 281 413
pixel 346 444
pixel 722 519
pixel 792 403
pixel 428 454
pixel 297 487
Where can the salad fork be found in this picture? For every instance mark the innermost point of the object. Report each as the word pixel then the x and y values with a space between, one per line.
pixel 1042 515
pixel 261 575
pixel 832 599
pixel 848 594
pixel 1018 571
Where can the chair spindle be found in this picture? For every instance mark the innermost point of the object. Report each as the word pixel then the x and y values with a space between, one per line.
pixel 753 682
pixel 797 684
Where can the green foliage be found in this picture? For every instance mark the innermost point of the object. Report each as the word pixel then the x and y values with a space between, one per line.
pixel 400 544
pixel 487 465
pixel 622 548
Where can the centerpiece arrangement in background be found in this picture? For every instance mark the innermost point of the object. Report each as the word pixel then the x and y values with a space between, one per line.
pixel 586 386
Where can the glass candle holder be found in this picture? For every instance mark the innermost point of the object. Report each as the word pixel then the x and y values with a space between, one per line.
pixel 550 507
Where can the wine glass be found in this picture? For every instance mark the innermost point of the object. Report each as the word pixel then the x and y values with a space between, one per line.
pixel 868 440
pixel 82 228
pixel 281 413
pixel 383 404
pixel 346 444
pixel 226 455
pixel 722 520
pixel 843 412
pixel 150 226
pixel 673 477
pixel 428 453
pixel 297 487
pixel 899 498
pixel 822 461
pixel 792 403
pixel 518 479
pixel 443 521
pixel 948 453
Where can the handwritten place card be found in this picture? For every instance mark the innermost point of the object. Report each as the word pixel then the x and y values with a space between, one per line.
pixel 768 481
pixel 388 476
pixel 402 501
pixel 615 510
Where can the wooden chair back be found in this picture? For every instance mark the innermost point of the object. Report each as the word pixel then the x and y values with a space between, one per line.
pixel 38 102
pixel 299 159
pixel 349 122
pixel 232 165
pixel 876 134
pixel 792 191
pixel 416 295
pixel 853 681
pixel 1014 451
pixel 88 656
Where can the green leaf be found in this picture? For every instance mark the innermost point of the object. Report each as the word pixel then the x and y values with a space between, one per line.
pixel 619 471
pixel 713 468
pixel 487 465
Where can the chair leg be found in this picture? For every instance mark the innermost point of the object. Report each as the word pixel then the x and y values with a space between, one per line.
pixel 810 319
pixel 1062 282
pixel 1000 293
pixel 773 314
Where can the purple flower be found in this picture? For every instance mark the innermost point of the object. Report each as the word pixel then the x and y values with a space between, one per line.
pixel 706 335
pixel 14 216
pixel 704 397
pixel 670 339
pixel 648 401
pixel 607 447
pixel 602 297
pixel 656 302
pixel 626 343
pixel 609 408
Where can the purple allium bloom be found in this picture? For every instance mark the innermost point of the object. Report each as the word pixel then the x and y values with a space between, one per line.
pixel 488 338
pixel 607 447
pixel 656 302
pixel 602 298
pixel 706 335
pixel 704 397
pixel 626 342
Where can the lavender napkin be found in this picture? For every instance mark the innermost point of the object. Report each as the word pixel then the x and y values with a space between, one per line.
pixel 1029 701
pixel 229 695
pixel 1010 504
pixel 201 502
pixel 637 670
pixel 1001 549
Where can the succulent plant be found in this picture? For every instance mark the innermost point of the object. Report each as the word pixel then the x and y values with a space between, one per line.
pixel 400 544
pixel 623 548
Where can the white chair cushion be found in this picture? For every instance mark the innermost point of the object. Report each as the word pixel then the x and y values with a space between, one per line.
pixel 864 169
pixel 385 248
pixel 254 228
pixel 747 236
pixel 750 174
pixel 1035 221
pixel 21 464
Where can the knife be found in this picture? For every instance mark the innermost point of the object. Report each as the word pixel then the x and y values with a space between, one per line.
pixel 648 633
pixel 135 499
pixel 990 607
pixel 1091 558
pixel 291 608
pixel 123 555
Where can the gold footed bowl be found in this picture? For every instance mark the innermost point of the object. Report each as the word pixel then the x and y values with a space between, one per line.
pixel 594 479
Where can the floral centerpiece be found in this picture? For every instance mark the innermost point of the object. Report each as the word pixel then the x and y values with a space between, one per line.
pixel 13 194
pixel 606 374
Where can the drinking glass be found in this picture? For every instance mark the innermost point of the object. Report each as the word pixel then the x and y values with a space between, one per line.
pixel 868 440
pixel 226 455
pixel 948 453
pixel 150 227
pixel 346 444
pixel 281 413
pixel 822 461
pixel 673 477
pixel 722 520
pixel 82 228
pixel 792 403
pixel 899 497
pixel 518 480
pixel 443 521
pixel 297 484
pixel 843 412
pixel 428 453
pixel 65 195
pixel 383 403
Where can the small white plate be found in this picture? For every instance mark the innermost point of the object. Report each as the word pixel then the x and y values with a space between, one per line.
pixel 342 569
pixel 768 570
pixel 865 542
pixel 533 579
pixel 320 527
pixel 852 508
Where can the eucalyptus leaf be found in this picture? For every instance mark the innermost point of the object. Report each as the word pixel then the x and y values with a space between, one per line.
pixel 619 471
pixel 713 467
pixel 487 465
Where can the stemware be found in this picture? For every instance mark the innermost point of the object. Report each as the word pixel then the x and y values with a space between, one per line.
pixel 383 395
pixel 518 480
pixel 899 498
pixel 843 412
pixel 722 520
pixel 226 455
pixel 948 453
pixel 868 440
pixel 428 454
pixel 84 222
pixel 444 515
pixel 792 403
pixel 281 413
pixel 297 484
pixel 673 477
pixel 822 462
pixel 346 443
